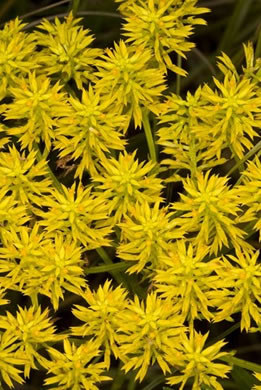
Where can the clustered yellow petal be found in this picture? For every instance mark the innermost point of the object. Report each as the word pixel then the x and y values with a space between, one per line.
pixel 163 26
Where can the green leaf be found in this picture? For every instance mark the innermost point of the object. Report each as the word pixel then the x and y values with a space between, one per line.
pixel 243 379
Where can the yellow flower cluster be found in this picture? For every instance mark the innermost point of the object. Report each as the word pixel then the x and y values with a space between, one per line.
pixel 74 179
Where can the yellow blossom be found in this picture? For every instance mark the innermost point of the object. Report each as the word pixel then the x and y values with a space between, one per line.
pixel 199 363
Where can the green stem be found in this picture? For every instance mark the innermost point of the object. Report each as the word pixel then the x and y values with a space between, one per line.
pixel 55 181
pixel 241 363
pixel 149 136
pixel 255 149
pixel 106 268
pixel 107 260
pixel 74 6
pixel 179 63
pixel 223 334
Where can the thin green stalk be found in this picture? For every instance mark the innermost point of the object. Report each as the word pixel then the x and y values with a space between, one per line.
pixel 117 267
pixel 179 63
pixel 149 136
pixel 80 13
pixel 241 363
pixel 42 9
pixel 74 6
pixel 254 150
pixel 258 44
pixel 233 27
pixel 170 185
pixel 224 334
pixel 107 260
pixel 55 181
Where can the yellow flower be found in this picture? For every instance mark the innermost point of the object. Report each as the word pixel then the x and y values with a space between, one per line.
pixel 128 81
pixel 250 194
pixel 210 210
pixel 9 358
pixel 16 55
pixel 73 369
pixel 163 27
pixel 79 213
pixel 101 318
pixel 185 138
pixel 198 363
pixel 188 280
pixel 91 132
pixel 40 105
pixel 32 329
pixel 65 51
pixel 149 333
pixel 48 266
pixel 146 235
pixel 12 214
pixel 125 181
pixel 232 111
pixel 20 174
pixel 240 277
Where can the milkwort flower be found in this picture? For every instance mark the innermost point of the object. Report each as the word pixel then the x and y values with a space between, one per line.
pixel 128 81
pixel 240 278
pixel 9 359
pixel 40 105
pixel 185 138
pixel 73 369
pixel 147 233
pixel 188 280
pixel 210 211
pixel 125 182
pixel 91 132
pixel 79 213
pixel 199 363
pixel 102 317
pixel 162 26
pixel 232 111
pixel 150 333
pixel 16 55
pixel 250 194
pixel 21 174
pixel 33 330
pixel 34 264
pixel 65 50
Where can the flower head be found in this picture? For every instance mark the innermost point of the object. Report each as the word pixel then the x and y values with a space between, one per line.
pixel 232 111
pixel 66 51
pixel 20 174
pixel 188 280
pixel 73 369
pixel 250 193
pixel 146 235
pixel 185 137
pixel 101 318
pixel 79 213
pixel 199 363
pixel 240 277
pixel 126 182
pixel 91 131
pixel 35 264
pixel 128 81
pixel 40 105
pixel 149 333
pixel 9 358
pixel 210 209
pixel 16 55
pixel 12 214
pixel 163 26
pixel 32 329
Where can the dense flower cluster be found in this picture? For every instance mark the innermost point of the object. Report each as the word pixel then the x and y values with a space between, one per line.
pixel 74 180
